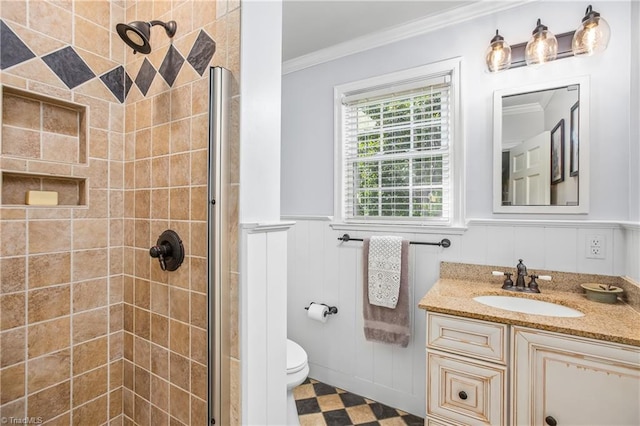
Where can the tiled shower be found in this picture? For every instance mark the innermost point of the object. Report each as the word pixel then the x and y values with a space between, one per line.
pixel 91 330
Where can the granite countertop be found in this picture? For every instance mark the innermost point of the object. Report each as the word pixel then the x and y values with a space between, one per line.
pixel 618 323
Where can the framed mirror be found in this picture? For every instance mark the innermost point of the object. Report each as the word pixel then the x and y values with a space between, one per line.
pixel 541 148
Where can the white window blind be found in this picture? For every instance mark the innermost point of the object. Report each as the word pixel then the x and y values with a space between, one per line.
pixel 396 151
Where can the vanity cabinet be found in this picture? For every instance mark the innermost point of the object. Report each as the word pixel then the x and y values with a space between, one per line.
pixel 480 372
pixel 466 371
pixel 565 380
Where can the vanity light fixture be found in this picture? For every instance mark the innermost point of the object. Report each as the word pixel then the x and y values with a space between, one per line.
pixel 498 54
pixel 592 36
pixel 542 47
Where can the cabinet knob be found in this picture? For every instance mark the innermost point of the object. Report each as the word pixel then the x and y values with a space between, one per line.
pixel 462 395
pixel 550 421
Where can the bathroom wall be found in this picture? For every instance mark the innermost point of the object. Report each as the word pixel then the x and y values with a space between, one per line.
pixel 323 270
pixel 61 283
pixel 91 331
pixel 165 179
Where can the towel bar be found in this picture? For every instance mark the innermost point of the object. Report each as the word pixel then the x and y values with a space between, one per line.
pixel 445 242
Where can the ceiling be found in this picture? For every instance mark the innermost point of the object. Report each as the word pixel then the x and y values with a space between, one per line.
pixel 311 25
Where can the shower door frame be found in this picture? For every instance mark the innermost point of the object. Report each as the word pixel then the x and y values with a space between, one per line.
pixel 218 247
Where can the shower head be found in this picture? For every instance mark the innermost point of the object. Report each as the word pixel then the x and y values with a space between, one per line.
pixel 136 34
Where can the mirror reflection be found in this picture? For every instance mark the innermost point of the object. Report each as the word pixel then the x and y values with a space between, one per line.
pixel 540 147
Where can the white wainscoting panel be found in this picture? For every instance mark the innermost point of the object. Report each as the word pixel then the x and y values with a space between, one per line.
pixel 321 269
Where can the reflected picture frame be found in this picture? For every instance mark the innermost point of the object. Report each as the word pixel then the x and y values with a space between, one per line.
pixel 557 153
pixel 574 139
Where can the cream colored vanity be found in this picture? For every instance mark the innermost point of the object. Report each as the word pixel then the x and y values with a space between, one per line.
pixel 495 367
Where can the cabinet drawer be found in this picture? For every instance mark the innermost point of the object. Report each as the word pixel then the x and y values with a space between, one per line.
pixel 467 337
pixel 465 391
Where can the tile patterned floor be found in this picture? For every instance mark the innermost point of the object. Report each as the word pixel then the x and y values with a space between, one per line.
pixel 320 404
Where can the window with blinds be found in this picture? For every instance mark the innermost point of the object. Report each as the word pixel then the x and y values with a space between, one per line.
pixel 396 151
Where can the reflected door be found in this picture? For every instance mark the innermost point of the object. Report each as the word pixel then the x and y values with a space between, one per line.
pixel 529 178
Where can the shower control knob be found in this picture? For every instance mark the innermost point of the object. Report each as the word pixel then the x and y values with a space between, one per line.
pixel 168 250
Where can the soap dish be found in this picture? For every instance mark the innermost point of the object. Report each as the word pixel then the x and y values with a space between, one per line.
pixel 602 292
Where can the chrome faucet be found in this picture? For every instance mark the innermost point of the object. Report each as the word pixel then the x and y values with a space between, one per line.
pixel 531 287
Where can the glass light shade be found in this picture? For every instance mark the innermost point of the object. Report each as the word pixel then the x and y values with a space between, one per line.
pixel 498 54
pixel 542 47
pixel 592 36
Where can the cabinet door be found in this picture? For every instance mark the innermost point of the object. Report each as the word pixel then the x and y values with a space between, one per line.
pixel 566 380
pixel 465 391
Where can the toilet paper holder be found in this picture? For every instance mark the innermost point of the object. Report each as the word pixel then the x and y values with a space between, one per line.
pixel 332 309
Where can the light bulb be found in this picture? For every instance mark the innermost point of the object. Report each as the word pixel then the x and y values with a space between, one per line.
pixel 542 47
pixel 592 36
pixel 498 55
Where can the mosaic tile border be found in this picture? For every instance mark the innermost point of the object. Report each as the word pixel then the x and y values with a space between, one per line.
pixel 73 71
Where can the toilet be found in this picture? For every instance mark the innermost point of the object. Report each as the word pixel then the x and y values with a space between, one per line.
pixel 297 372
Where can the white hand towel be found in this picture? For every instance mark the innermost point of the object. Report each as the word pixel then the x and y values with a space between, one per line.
pixel 384 270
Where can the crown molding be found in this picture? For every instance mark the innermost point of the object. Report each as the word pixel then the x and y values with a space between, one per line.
pixel 397 33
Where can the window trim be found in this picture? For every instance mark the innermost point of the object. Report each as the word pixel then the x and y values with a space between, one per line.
pixel 456 192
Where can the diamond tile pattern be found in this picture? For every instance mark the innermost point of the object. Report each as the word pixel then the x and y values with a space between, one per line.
pixel 115 81
pixel 320 404
pixel 69 67
pixel 73 71
pixel 145 76
pixel 171 65
pixel 201 53
pixel 13 50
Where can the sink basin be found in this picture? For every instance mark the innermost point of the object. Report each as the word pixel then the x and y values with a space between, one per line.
pixel 528 306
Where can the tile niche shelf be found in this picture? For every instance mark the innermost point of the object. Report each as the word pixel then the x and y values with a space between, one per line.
pixel 40 132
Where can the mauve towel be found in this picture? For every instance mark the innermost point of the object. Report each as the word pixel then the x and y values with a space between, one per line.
pixel 384 324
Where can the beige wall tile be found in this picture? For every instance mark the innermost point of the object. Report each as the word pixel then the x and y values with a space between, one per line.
pixel 13 349
pixel 48 370
pixel 179 340
pixel 199 345
pixel 199 203
pixel 49 269
pixel 20 112
pixel 142 383
pixel 57 119
pixel 199 167
pixel 91 37
pixel 179 404
pixel 199 239
pixel 143 143
pixel 199 310
pixel 115 374
pixel 179 204
pixel 89 295
pixel 199 383
pixel 116 346
pixel 159 298
pixel 12 310
pixel 198 411
pixel 179 371
pixel 180 135
pixel 116 318
pixel 159 417
pixel 141 413
pixel 50 402
pixel 92 413
pixel 51 20
pixel 159 366
pixel 181 102
pixel 160 330
pixel 99 143
pixel 160 202
pixel 89 355
pixel 97 12
pixel 160 136
pixel 89 385
pixel 20 142
pixel 89 325
pixel 198 274
pixel 59 148
pixel 15 409
pixel 15 11
pixel 49 236
pixel 49 336
pixel 161 108
pixel 180 169
pixel 179 306
pixel 90 234
pixel 88 264
pixel 142 352
pixel 200 132
pixel 142 323
pixel 49 303
pixel 12 274
pixel 12 383
pixel 142 201
pixel 143 173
